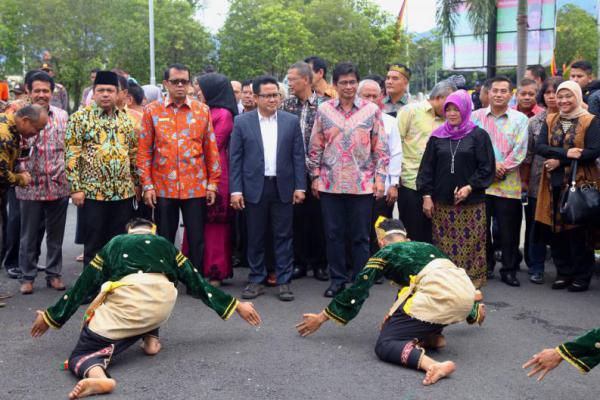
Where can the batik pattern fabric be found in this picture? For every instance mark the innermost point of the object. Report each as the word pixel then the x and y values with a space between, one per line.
pixel 348 151
pixel 536 162
pixel 10 141
pixel 100 154
pixel 459 231
pixel 508 133
pixel 178 154
pixel 584 352
pixel 46 164
pixel 132 254
pixel 306 112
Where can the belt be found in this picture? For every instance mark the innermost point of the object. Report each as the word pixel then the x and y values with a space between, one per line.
pixel 270 178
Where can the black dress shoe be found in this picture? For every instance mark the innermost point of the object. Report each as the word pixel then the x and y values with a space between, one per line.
pixel 321 274
pixel 14 273
pixel 299 272
pixel 560 284
pixel 578 286
pixel 510 280
pixel 379 281
pixel 333 290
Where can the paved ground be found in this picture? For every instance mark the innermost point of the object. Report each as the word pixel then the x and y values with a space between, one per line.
pixel 206 358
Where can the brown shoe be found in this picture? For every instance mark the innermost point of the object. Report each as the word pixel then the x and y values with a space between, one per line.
pixel 56 284
pixel 26 288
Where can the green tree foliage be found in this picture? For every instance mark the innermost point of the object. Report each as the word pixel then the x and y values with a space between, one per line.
pixel 576 35
pixel 84 34
pixel 288 31
pixel 262 37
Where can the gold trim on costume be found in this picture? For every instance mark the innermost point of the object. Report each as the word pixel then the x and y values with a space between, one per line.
pixel 230 309
pixel 334 317
pixel 51 322
pixel 568 357
pixel 180 259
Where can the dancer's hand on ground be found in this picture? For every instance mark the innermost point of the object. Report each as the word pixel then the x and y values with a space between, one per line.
pixel 311 323
pixel 248 313
pixel 544 362
pixel 39 326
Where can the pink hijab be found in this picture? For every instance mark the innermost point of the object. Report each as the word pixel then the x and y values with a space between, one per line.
pixel 462 100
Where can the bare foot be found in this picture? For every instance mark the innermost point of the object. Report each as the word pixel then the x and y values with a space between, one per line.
pixel 91 386
pixel 151 345
pixel 478 295
pixel 438 371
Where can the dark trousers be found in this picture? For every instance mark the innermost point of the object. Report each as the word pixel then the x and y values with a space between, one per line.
pixel 309 236
pixel 410 209
pixel 194 216
pixel 52 214
pixel 380 208
pixel 270 207
pixel 12 232
pixel 399 336
pixel 79 227
pixel 94 350
pixel 572 256
pixel 104 220
pixel 535 253
pixel 508 213
pixel 344 213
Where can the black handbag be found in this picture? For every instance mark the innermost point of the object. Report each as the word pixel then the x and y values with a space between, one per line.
pixel 579 205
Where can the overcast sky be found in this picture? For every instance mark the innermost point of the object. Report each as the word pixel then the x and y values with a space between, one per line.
pixel 420 13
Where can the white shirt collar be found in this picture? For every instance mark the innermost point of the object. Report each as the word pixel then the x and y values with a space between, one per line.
pixel 267 119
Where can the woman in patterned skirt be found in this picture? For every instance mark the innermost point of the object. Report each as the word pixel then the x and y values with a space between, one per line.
pixel 457 167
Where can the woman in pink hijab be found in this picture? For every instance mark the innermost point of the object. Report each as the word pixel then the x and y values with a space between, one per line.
pixel 457 167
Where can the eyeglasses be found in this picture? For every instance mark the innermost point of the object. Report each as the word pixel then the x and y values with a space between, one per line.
pixel 271 96
pixel 178 82
pixel 347 83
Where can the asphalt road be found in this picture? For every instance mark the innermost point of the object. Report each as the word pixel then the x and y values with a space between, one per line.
pixel 206 358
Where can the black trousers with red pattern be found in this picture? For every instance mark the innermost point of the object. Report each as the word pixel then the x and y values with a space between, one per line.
pixel 397 342
pixel 94 350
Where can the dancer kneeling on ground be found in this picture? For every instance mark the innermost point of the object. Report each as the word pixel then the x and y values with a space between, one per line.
pixel 435 293
pixel 583 353
pixel 137 273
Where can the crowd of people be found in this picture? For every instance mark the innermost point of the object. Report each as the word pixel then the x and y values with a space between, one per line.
pixel 290 179
pixel 299 191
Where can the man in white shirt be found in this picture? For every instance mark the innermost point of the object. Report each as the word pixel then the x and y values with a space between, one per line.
pixel 267 176
pixel 370 90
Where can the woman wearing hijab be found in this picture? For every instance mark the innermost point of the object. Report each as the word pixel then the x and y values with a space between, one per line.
pixel 531 172
pixel 217 93
pixel 571 134
pixel 457 167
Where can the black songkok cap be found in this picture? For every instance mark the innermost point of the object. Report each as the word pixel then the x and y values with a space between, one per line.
pixel 106 78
